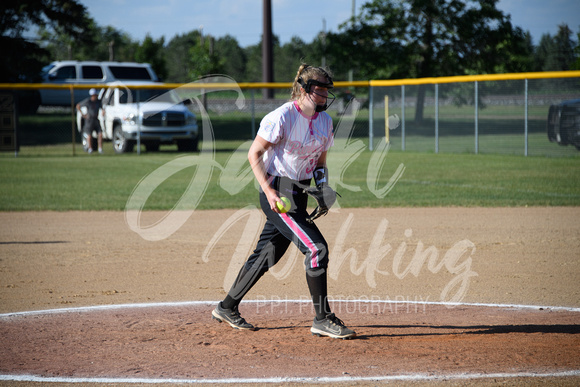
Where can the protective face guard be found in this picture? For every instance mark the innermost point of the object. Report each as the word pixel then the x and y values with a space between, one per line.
pixel 309 87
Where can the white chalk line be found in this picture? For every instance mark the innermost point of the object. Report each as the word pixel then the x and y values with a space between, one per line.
pixel 352 379
pixel 279 301
pixel 384 378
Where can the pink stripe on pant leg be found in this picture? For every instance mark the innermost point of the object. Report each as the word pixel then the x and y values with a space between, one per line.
pixel 303 237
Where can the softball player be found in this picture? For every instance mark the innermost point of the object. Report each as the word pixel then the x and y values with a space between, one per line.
pixel 288 151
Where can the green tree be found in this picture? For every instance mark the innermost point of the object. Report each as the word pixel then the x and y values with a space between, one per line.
pixel 58 44
pixel 21 60
pixel 428 38
pixel 254 60
pixel 178 56
pixel 204 60
pixel 254 63
pixel 542 53
pixel 563 57
pixel 233 57
pixel 527 58
pixel 288 57
pixel 576 65
pixel 556 53
pixel 151 51
pixel 111 44
pixel 99 43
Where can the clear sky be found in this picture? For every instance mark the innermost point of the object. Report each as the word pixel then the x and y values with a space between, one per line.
pixel 242 19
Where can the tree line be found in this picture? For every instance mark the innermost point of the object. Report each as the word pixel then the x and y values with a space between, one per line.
pixel 388 39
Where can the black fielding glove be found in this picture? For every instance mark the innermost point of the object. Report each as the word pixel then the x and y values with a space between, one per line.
pixel 324 196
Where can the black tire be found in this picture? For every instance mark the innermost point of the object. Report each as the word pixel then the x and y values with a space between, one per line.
pixel 120 143
pixel 187 145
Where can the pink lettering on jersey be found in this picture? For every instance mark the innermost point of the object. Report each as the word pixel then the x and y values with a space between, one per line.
pixel 293 146
pixel 296 148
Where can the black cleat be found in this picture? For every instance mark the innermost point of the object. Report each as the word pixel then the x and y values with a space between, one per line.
pixel 333 327
pixel 232 317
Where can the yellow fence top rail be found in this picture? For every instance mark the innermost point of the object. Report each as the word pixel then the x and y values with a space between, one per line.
pixel 288 85
pixel 479 78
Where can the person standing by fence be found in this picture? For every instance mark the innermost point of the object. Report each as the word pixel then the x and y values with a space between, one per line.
pixel 91 117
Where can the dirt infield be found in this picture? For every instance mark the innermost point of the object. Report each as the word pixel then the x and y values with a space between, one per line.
pixel 392 275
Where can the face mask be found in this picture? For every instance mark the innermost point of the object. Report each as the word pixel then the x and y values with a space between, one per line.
pixel 308 87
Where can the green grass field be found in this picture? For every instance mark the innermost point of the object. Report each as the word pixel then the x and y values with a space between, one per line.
pixel 48 180
pixel 48 177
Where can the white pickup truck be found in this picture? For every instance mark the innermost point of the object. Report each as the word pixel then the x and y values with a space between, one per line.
pixel 147 116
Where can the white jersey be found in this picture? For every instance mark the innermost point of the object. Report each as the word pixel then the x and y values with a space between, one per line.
pixel 298 141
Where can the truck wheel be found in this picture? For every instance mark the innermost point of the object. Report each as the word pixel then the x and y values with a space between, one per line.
pixel 187 145
pixel 120 143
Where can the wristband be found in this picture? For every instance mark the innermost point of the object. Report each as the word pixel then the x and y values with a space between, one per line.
pixel 319 175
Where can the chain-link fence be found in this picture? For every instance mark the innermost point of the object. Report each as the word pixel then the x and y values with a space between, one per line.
pixel 480 114
pixel 507 114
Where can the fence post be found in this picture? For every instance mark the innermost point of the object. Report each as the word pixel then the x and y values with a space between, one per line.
pixel 139 120
pixel 526 117
pixel 403 117
pixel 476 118
pixel 387 119
pixel 72 117
pixel 371 115
pixel 252 92
pixel 436 118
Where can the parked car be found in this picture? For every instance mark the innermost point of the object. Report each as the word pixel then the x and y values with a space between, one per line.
pixel 150 116
pixel 88 72
pixel 564 123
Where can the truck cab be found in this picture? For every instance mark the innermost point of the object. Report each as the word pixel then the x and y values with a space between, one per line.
pixel 137 114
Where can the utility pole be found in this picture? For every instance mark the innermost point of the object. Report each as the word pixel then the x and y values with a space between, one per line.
pixel 323 64
pixel 267 48
pixel 351 72
pixel 202 46
pixel 111 50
